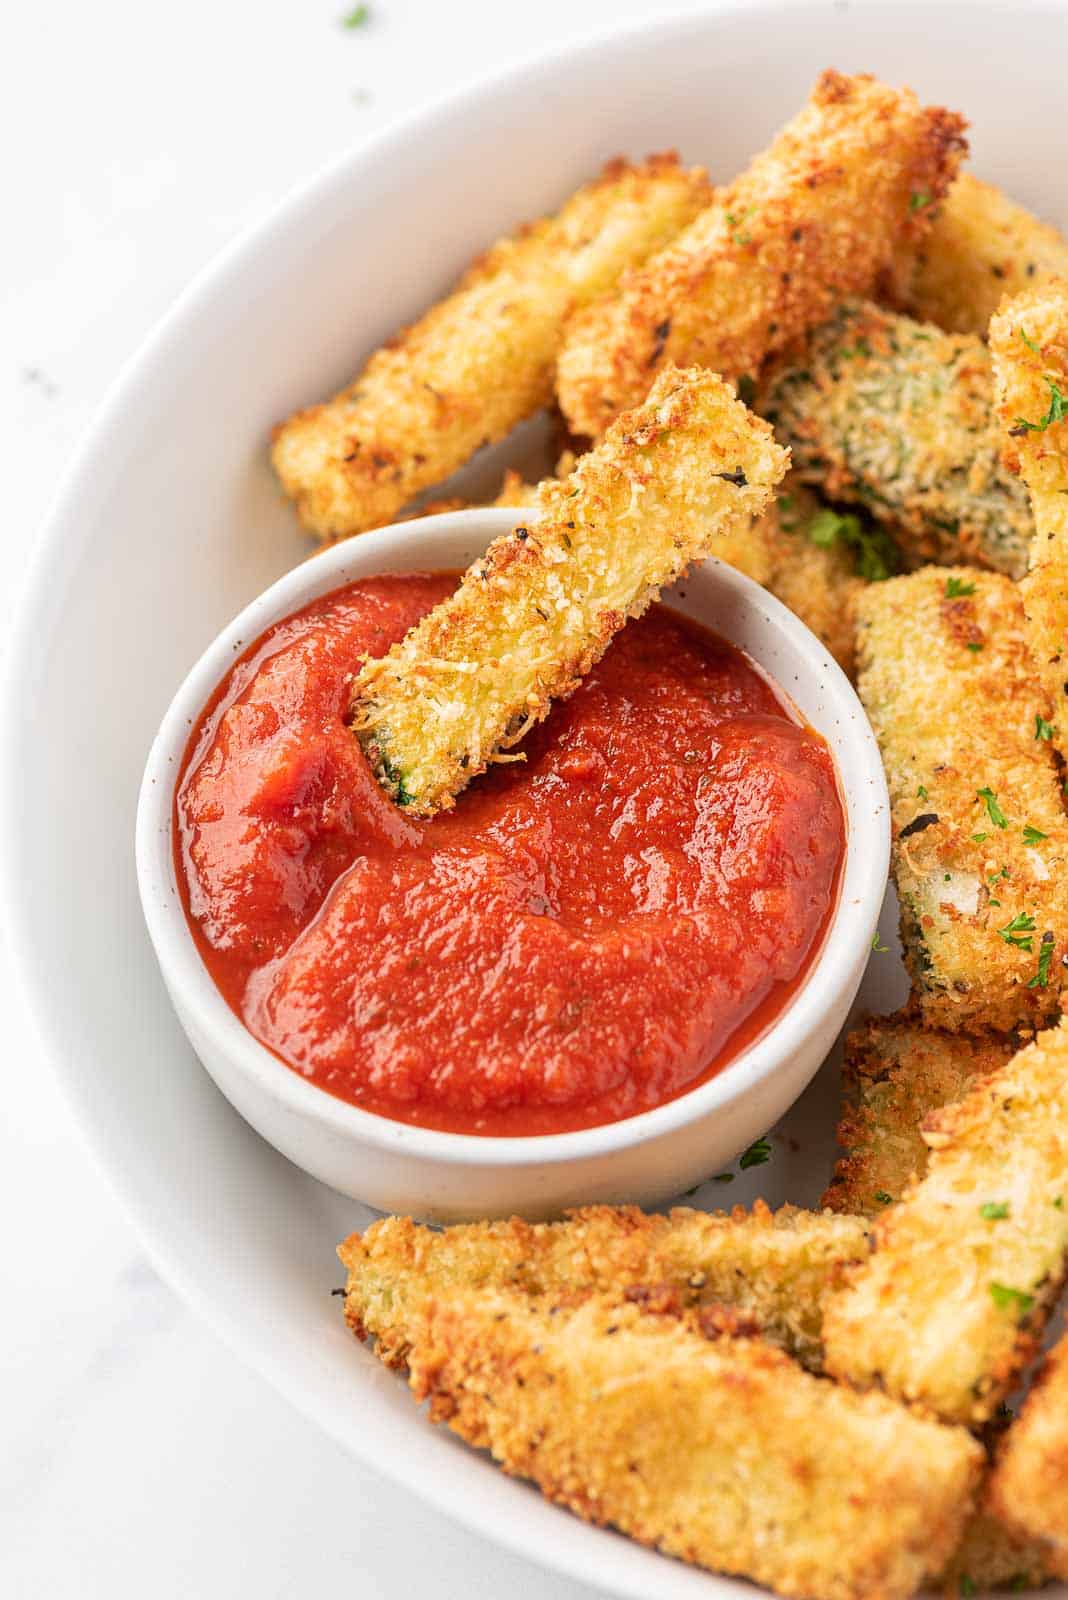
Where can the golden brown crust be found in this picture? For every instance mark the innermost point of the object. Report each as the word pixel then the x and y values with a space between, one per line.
pixel 894 1072
pixel 1029 345
pixel 816 217
pixel 980 838
pixel 479 361
pixel 951 1305
pixel 537 611
pixel 722 1452
pixel 1029 1484
pixel 981 246
pixel 775 1268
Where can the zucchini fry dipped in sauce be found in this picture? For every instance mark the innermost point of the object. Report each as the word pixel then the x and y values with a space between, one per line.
pixel 895 1072
pixel 951 1305
pixel 898 417
pixel 720 1451
pixel 1029 344
pixel 980 837
pixel 538 610
pixel 775 1269
pixel 481 360
pixel 817 216
pixel 1029 1484
pixel 980 247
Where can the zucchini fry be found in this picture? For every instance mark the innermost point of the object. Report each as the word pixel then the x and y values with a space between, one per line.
pixel 817 216
pixel 981 246
pixel 980 837
pixel 992 1555
pixel 893 1074
pixel 1029 344
pixel 538 610
pixel 721 1451
pixel 774 1268
pixel 951 1304
pixel 479 361
pixel 898 417
pixel 1029 1484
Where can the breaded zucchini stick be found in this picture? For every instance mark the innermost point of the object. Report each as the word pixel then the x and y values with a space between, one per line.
pixel 775 1269
pixel 479 361
pixel 898 417
pixel 981 246
pixel 980 839
pixel 951 1304
pixel 722 1452
pixel 536 612
pixel 893 1073
pixel 1029 1484
pixel 991 1555
pixel 817 216
pixel 1029 344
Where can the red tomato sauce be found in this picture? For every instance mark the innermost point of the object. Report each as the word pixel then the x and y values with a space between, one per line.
pixel 587 935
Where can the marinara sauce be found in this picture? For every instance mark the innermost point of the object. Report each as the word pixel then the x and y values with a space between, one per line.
pixel 587 935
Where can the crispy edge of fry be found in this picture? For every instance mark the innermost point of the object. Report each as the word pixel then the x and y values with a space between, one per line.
pixel 480 360
pixel 816 216
pixel 951 1305
pixel 775 1268
pixel 1029 345
pixel 981 246
pixel 778 1475
pixel 952 692
pixel 537 611
pixel 893 1073
pixel 1029 1484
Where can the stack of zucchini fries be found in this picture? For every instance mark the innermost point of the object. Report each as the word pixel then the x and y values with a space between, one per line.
pixel 817 1400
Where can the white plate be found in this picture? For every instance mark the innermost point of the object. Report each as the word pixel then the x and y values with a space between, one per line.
pixel 169 523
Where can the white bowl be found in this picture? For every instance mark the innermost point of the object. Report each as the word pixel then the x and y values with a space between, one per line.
pixel 646 1158
pixel 168 523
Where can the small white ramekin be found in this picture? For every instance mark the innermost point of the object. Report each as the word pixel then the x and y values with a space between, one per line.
pixel 647 1158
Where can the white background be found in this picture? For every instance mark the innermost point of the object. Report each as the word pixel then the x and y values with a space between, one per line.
pixel 137 1456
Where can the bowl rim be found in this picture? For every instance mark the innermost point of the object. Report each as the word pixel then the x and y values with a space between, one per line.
pixel 186 976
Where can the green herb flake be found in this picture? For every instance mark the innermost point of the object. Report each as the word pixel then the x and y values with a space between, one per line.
pixel 974 648
pixel 1059 1202
pixel 965 1584
pixel 956 588
pixel 994 1210
pixel 1030 343
pixel 918 199
pixel 723 1177
pixel 759 1152
pixel 1018 932
pixel 1005 1299
pixel 358 17
pixel 1058 411
pixel 874 553
pixel 921 792
pixel 1045 959
pixel 1033 835
pixel 877 944
pixel 977 838
pixel 883 1198
pixel 1043 729
pixel 993 810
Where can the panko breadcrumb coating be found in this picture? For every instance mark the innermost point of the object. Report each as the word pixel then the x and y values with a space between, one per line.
pixel 480 361
pixel 991 1555
pixel 539 609
pixel 898 417
pixel 980 836
pixel 950 1306
pixel 775 1269
pixel 894 1072
pixel 720 1451
pixel 1029 344
pixel 817 216
pixel 1029 1484
pixel 981 246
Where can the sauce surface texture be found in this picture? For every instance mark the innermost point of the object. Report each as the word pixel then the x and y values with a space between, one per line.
pixel 587 935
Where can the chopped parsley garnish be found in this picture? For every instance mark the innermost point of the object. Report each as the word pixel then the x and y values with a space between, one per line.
pixel 877 944
pixel 883 1198
pixel 1058 411
pixel 956 588
pixel 873 552
pixel 358 17
pixel 1043 729
pixel 723 1177
pixel 1045 958
pixel 1033 835
pixel 1018 932
pixel 973 647
pixel 993 810
pixel 759 1152
pixel 921 792
pixel 1030 343
pixel 1059 1202
pixel 977 838
pixel 994 1210
pixel 918 199
pixel 966 1585
pixel 1004 1298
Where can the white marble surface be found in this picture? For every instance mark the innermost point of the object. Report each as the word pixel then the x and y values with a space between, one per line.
pixel 136 1454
